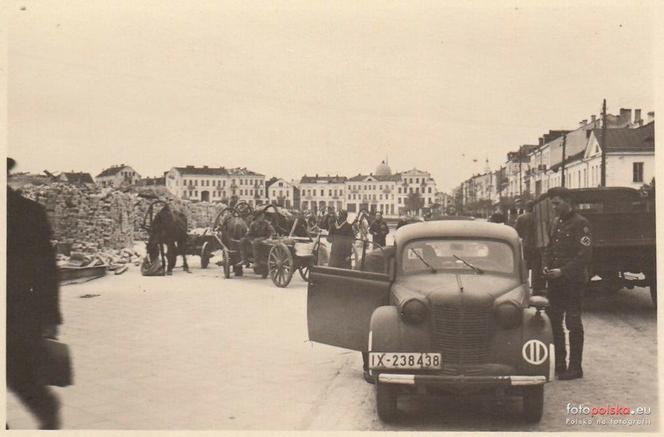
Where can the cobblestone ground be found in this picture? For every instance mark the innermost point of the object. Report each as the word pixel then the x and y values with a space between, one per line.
pixel 197 351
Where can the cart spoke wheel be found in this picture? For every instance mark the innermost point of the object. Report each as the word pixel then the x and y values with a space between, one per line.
pixel 304 272
pixel 280 264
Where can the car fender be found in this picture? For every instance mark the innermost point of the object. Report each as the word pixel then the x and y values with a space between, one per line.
pixel 389 333
pixel 536 354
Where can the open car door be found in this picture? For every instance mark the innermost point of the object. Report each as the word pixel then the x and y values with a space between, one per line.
pixel 340 303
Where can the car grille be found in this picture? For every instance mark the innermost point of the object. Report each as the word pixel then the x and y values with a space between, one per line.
pixel 461 334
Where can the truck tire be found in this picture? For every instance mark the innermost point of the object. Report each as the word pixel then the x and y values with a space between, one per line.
pixel 386 402
pixel 533 403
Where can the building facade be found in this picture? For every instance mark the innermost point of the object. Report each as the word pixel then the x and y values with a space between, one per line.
pixel 282 193
pixel 320 192
pixel 571 158
pixel 117 176
pixel 210 184
pixel 372 193
pixel 412 184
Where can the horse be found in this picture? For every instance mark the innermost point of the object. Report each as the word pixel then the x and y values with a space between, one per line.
pixel 168 227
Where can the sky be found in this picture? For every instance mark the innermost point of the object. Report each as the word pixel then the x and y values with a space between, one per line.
pixel 293 88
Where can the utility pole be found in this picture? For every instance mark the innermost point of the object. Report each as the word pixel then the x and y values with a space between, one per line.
pixel 603 181
pixel 562 168
pixel 520 158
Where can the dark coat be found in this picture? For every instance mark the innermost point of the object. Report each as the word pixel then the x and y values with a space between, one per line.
pixel 379 230
pixel 32 282
pixel 260 228
pixel 341 237
pixel 570 247
pixel 525 227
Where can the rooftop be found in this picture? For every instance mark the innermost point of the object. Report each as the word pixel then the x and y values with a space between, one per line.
pixel 641 139
pixel 112 171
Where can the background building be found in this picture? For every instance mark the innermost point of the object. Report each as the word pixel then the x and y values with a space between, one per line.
pixel 281 192
pixel 570 158
pixel 318 192
pixel 219 184
pixel 117 176
pixel 416 189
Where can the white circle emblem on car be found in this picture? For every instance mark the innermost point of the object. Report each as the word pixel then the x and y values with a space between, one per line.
pixel 535 352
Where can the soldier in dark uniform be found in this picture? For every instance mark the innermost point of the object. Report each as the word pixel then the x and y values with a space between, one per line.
pixel 33 305
pixel 259 230
pixel 566 263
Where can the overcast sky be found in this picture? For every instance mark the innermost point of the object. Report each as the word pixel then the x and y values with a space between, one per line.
pixel 313 87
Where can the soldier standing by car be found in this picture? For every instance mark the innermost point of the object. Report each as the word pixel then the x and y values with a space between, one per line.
pixel 33 305
pixel 379 230
pixel 566 262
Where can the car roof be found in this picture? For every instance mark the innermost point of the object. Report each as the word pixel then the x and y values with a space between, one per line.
pixel 456 228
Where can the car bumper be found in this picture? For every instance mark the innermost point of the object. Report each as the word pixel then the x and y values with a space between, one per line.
pixel 460 381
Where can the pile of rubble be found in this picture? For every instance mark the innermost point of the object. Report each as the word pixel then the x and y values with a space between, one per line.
pixel 94 226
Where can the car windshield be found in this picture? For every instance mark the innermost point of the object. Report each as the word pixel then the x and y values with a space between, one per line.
pixel 457 255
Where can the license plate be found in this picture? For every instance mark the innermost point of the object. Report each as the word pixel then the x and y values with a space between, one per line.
pixel 405 360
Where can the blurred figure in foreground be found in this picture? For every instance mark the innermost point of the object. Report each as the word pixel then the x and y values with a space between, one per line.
pixel 33 307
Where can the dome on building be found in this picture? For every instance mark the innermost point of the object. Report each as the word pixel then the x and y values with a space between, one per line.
pixel 383 170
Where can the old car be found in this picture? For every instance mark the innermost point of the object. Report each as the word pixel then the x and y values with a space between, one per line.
pixel 623 227
pixel 451 312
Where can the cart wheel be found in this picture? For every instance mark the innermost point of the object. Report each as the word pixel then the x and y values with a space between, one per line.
pixel 280 265
pixel 227 264
pixel 205 255
pixel 304 272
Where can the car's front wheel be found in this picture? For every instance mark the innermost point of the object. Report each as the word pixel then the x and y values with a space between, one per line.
pixel 533 403
pixel 386 401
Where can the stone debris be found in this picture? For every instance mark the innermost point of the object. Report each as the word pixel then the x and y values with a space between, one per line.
pixel 93 226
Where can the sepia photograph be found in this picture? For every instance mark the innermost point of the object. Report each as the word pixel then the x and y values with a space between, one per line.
pixel 430 216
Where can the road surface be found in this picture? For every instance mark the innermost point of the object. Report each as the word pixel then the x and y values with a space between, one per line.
pixel 197 351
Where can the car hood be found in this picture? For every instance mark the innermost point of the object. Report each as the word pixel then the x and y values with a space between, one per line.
pixel 446 287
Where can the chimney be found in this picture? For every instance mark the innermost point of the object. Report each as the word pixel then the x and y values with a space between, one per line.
pixel 541 141
pixel 651 116
pixel 637 117
pixel 593 118
pixel 625 116
pixel 205 166
pixel 583 122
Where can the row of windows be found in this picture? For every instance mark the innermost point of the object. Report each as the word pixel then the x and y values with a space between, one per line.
pixel 281 193
pixel 370 196
pixel 416 190
pixel 219 182
pixel 221 194
pixel 331 192
pixel 402 200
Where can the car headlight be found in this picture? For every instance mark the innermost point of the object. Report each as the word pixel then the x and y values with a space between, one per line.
pixel 508 315
pixel 414 311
